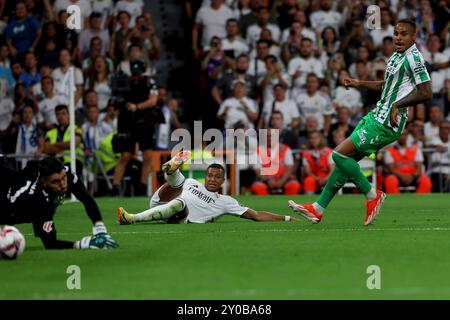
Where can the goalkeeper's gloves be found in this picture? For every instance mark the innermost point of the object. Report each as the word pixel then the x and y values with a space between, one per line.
pixel 100 239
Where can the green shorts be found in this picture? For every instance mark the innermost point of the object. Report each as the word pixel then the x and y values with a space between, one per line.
pixel 370 136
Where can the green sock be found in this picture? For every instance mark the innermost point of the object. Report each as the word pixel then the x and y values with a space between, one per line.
pixel 335 182
pixel 352 170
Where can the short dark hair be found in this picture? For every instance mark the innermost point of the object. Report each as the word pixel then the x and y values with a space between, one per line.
pixel 408 21
pixel 60 107
pixel 49 166
pixel 216 166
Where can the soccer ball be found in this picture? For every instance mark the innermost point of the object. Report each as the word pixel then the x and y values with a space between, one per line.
pixel 12 242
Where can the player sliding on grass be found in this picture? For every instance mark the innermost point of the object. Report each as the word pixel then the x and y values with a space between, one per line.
pixel 33 196
pixel 183 200
pixel 406 83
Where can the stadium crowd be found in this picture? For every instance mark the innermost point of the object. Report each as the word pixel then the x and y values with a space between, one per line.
pixel 262 64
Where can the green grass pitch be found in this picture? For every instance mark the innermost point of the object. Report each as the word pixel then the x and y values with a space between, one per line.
pixel 238 259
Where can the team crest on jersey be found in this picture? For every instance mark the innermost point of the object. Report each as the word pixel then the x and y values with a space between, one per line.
pixel 48 226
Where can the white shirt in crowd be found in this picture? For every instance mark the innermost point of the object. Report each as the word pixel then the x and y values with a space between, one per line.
pixel 94 135
pixel 441 161
pixel 431 132
pixel 58 77
pixel 47 108
pixel 437 77
pixel 350 98
pixel 287 107
pixel 268 95
pixel 257 68
pixel 85 8
pixel 27 142
pixel 306 33
pixel 321 19
pixel 6 110
pixel 238 46
pixel 236 111
pixel 134 8
pixel 104 93
pixel 379 34
pixel 310 65
pixel 254 32
pixel 316 105
pixel 213 22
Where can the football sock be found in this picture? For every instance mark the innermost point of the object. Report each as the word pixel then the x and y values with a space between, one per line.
pixel 372 194
pixel 175 179
pixel 161 212
pixel 335 182
pixel 352 170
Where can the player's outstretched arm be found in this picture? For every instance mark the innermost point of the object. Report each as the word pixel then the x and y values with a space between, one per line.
pixel 265 216
pixel 355 83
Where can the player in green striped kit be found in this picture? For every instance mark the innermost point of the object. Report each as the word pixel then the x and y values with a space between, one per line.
pixel 406 83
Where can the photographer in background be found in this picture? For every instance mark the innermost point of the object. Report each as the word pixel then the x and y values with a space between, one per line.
pixel 138 114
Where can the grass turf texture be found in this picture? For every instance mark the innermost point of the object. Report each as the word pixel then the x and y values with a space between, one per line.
pixel 239 259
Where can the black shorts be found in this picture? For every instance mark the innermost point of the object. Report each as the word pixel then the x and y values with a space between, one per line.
pixel 144 137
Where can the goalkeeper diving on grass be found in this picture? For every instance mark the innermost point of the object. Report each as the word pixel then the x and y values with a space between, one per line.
pixel 33 195
pixel 406 83
pixel 182 200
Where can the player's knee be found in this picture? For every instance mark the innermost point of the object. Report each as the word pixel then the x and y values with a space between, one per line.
pixel 259 188
pixel 292 187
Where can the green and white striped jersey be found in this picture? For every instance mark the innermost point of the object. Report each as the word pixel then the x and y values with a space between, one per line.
pixel 404 71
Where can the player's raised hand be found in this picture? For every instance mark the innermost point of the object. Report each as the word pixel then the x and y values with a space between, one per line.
pixel 393 117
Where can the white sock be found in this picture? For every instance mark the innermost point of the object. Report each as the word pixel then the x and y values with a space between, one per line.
pixel 372 194
pixel 318 207
pixel 175 179
pixel 161 212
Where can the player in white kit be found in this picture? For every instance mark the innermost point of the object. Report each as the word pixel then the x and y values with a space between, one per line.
pixel 183 200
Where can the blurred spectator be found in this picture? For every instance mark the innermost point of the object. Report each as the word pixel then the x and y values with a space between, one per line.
pixel 30 76
pixel 281 103
pixel 144 35
pixel 4 56
pixel 299 67
pixel 287 137
pixel 263 22
pixel 311 125
pixel 169 107
pixel 233 44
pixel 98 77
pixel 23 31
pixel 30 141
pixel 110 115
pixel 85 9
pixel 274 50
pixel 386 30
pixel 238 111
pixel 242 9
pixel 94 30
pixel 299 28
pixel 48 104
pixel 222 88
pixel 416 134
pixel 257 67
pixel 357 37
pixel 433 56
pixel 135 52
pixel 213 62
pixel 65 62
pixel 286 10
pixel 280 158
pixel 317 163
pixel 134 9
pixel 342 124
pixel 210 20
pixel 326 17
pixel 349 98
pixel 16 69
pixel 94 131
pixel 432 126
pixel 95 50
pixel 313 103
pixel 50 44
pixel 328 45
pixel 105 8
pixel 363 56
pixel 57 140
pixel 275 75
pixel 69 36
pixel 440 159
pixel 121 35
pixel 6 116
pixel 404 165
pixel 387 49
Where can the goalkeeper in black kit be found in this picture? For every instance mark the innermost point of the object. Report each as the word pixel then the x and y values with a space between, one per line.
pixel 33 195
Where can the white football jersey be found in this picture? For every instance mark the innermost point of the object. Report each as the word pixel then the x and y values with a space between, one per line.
pixel 205 206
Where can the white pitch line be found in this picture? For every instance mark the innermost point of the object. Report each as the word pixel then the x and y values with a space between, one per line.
pixel 267 230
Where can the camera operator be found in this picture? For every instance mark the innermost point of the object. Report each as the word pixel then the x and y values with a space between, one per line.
pixel 138 114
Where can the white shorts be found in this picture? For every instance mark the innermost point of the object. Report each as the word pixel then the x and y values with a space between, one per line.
pixel 155 201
